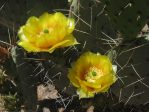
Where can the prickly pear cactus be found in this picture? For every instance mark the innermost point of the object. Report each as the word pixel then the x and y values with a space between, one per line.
pixel 129 16
pixel 95 33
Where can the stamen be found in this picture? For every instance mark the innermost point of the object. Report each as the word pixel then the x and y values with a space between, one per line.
pixel 93 74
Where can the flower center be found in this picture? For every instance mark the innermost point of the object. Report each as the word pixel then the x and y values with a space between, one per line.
pixel 93 74
pixel 46 31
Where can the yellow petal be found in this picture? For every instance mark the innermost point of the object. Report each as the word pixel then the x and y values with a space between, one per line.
pixel 106 82
pixel 72 41
pixel 30 30
pixel 71 25
pixel 72 78
pixel 32 26
pixel 45 20
pixel 21 35
pixel 44 41
pixel 84 94
pixel 60 17
pixel 88 84
pixel 57 46
pixel 68 41
pixel 30 47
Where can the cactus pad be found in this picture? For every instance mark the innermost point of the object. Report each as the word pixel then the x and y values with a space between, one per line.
pixel 129 16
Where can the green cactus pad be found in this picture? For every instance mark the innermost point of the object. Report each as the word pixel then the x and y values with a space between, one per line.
pixel 129 16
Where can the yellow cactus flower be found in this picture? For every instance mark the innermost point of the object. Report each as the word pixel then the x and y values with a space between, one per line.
pixel 91 74
pixel 46 33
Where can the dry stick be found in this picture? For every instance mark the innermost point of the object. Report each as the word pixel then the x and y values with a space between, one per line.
pixel 48 79
pixel 62 100
pixel 37 67
pixel 91 19
pixel 119 99
pixel 109 42
pixel 71 99
pixel 5 43
pixel 101 12
pixel 42 70
pixel 57 74
pixel 126 62
pixel 133 95
pixel 139 76
pixel 120 79
pixel 8 24
pixel 122 67
pixel 84 45
pixel 82 31
pixel 134 82
pixel 133 48
pixel 35 59
pixel 3 5
pixel 14 35
pixel 131 109
pixel 74 7
pixel 76 16
pixel 110 92
pixel 9 37
pixel 69 48
pixel 109 37
pixel 118 64
pixel 21 64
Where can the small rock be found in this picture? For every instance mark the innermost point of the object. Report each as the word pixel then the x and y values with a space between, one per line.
pixel 46 92
pixel 90 109
pixel 46 109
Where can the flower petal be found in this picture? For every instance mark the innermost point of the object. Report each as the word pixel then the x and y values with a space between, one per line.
pixel 71 25
pixel 73 79
pixel 84 94
pixel 72 41
pixel 45 19
pixel 21 35
pixel 32 27
pixel 57 46
pixel 30 47
pixel 45 41
pixel 30 30
pixel 68 41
